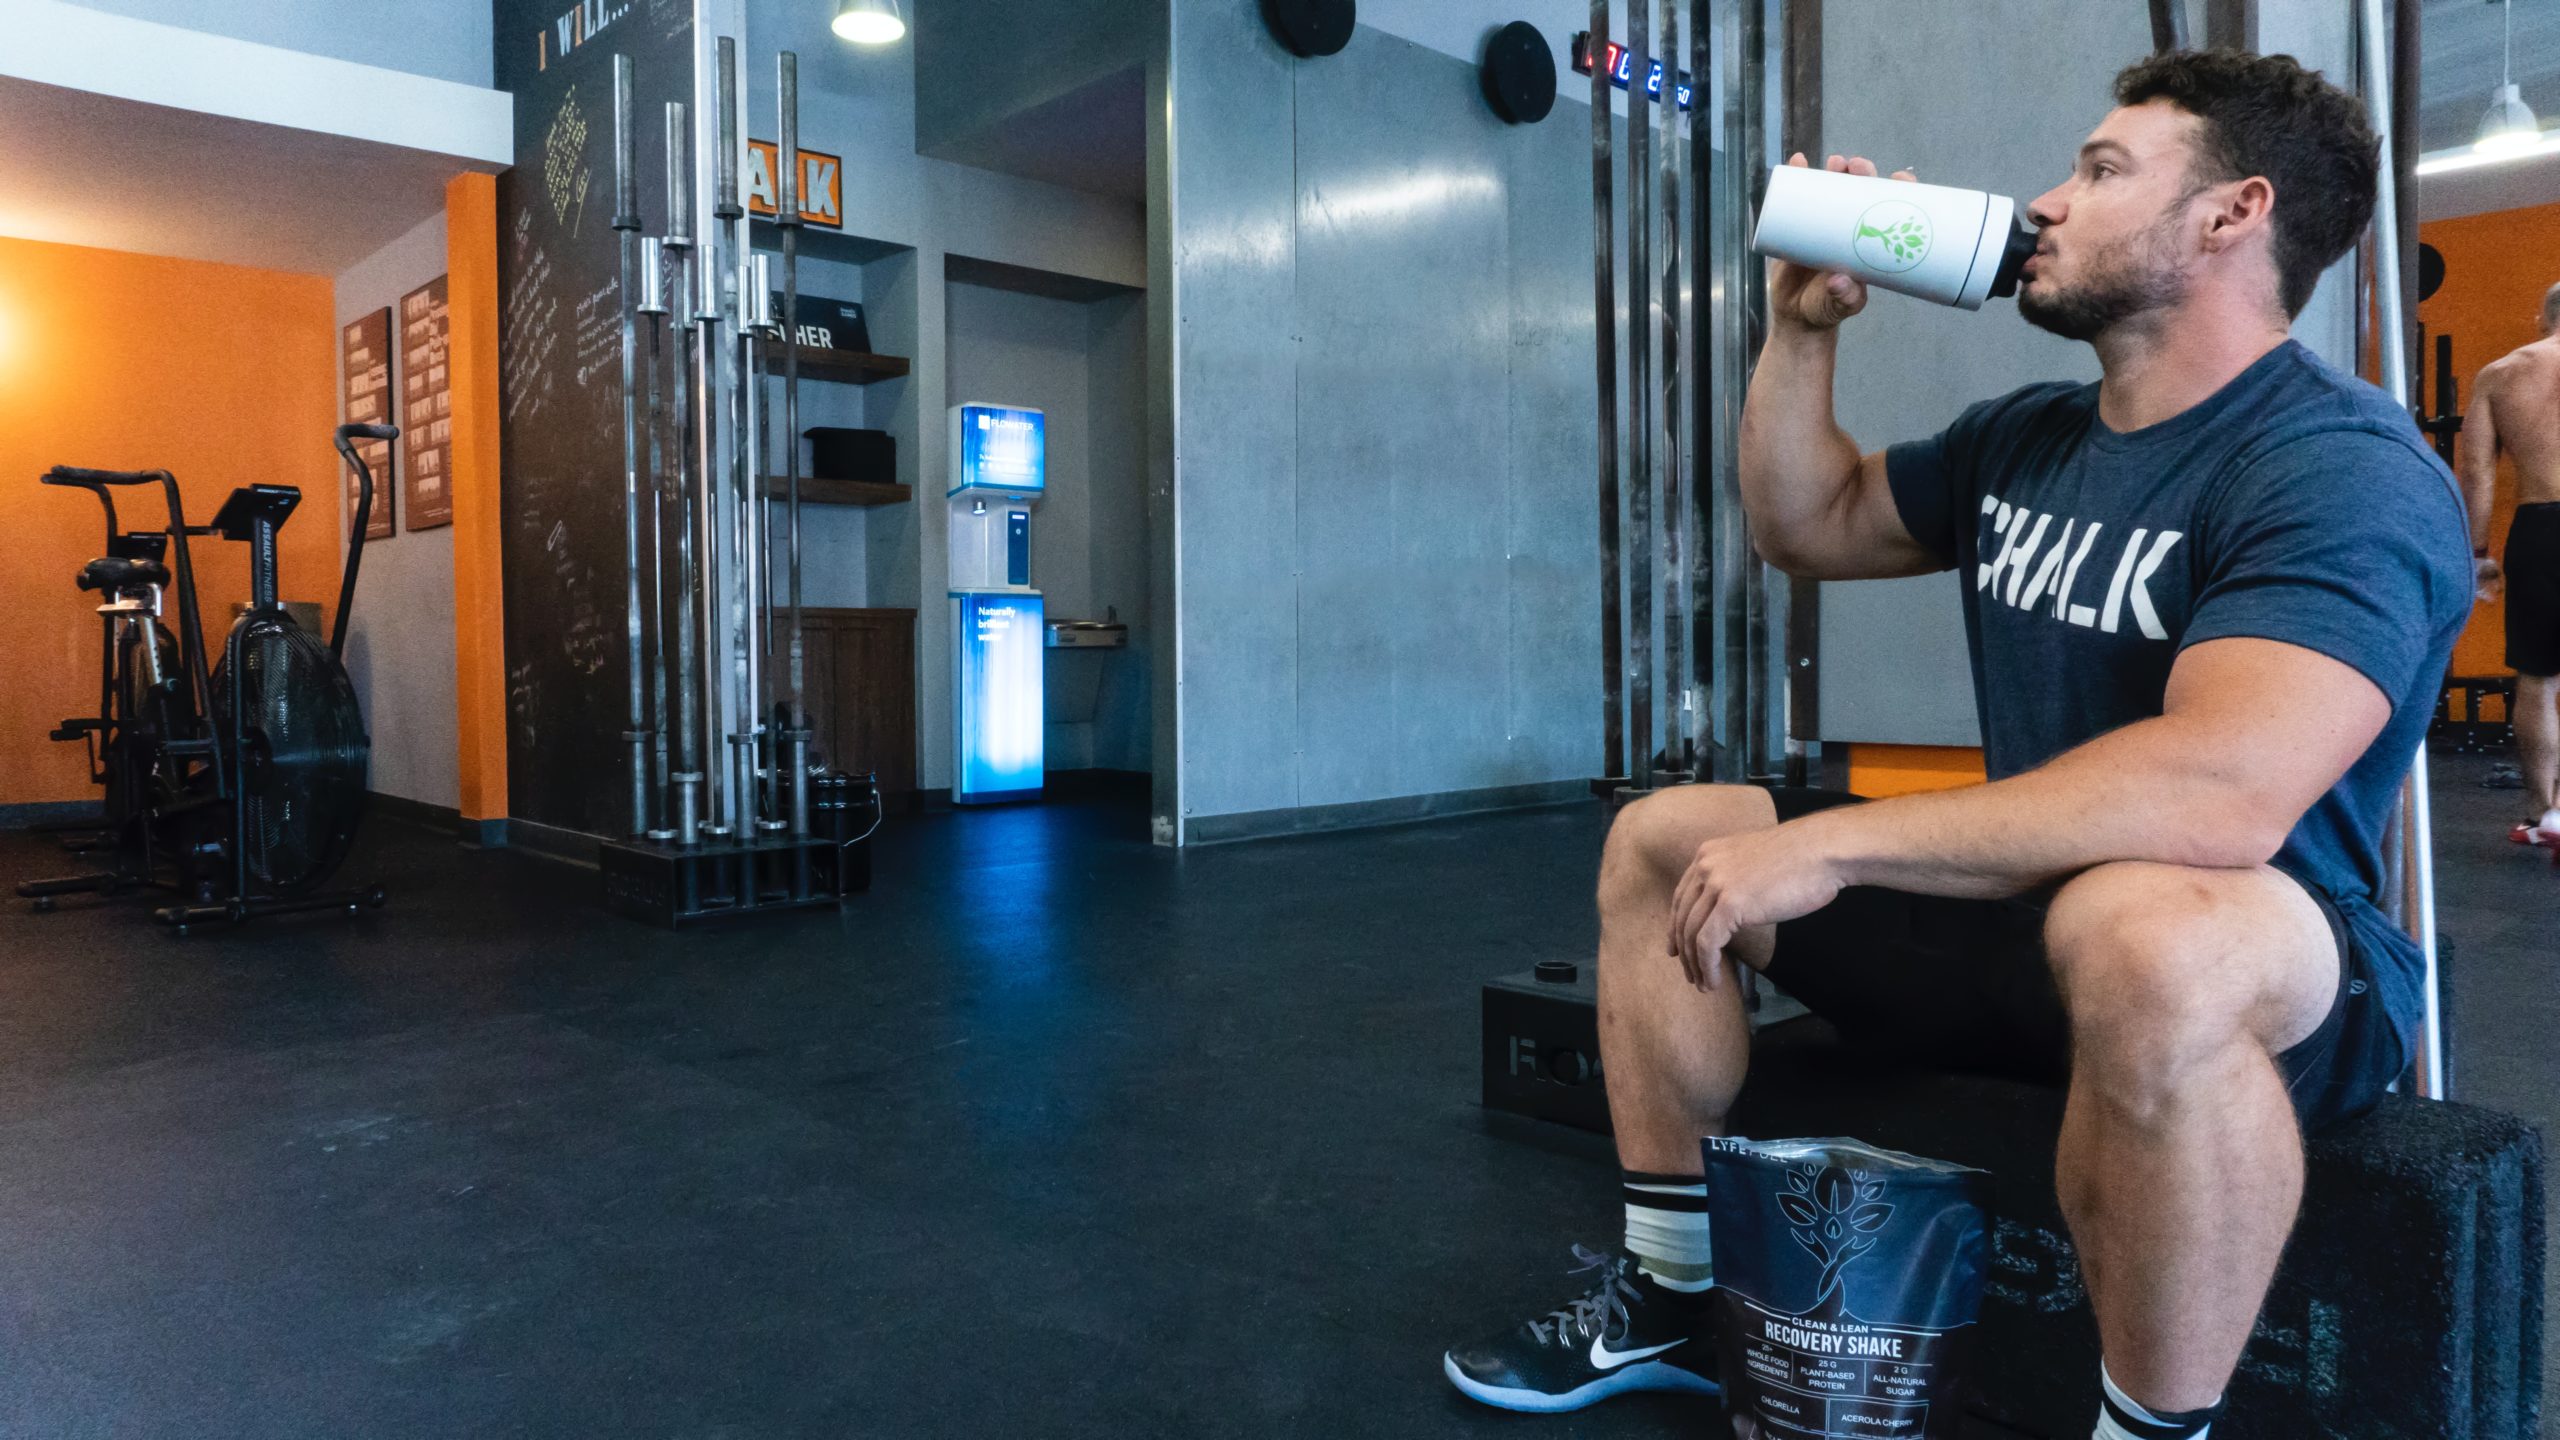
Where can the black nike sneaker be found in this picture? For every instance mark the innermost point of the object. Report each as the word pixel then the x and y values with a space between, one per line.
pixel 1628 1333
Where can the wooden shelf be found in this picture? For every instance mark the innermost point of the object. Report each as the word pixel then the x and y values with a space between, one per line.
pixel 817 362
pixel 814 491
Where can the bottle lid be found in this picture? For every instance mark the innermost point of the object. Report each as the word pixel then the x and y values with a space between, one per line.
pixel 2013 259
pixel 1558 972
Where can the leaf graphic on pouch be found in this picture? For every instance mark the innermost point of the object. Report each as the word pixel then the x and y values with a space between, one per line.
pixel 1833 1212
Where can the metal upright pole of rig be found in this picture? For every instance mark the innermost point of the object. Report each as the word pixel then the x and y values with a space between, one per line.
pixel 787 161
pixel 2413 902
pixel 680 318
pixel 652 303
pixel 626 226
pixel 711 556
pixel 737 598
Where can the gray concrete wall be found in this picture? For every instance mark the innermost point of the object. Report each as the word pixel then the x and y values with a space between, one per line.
pixel 1381 373
pixel 2321 34
pixel 447 39
pixel 1461 27
pixel 1938 99
pixel 400 639
pixel 1116 438
pixel 979 62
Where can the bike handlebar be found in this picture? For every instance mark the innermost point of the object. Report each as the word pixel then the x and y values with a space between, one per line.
pixel 88 479
pixel 346 438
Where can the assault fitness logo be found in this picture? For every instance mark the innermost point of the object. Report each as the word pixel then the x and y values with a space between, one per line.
pixel 576 28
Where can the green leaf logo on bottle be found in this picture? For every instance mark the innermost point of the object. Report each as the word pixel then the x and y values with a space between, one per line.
pixel 1892 237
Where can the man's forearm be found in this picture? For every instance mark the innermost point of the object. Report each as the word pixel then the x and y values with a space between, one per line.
pixel 2476 460
pixel 2150 791
pixel 1796 462
pixel 2479 493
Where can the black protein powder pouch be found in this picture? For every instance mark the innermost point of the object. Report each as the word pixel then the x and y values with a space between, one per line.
pixel 1848 1281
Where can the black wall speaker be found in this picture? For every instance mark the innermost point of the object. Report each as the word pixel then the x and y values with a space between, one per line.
pixel 1519 74
pixel 1311 28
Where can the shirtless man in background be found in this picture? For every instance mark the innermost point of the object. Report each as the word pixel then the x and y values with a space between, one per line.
pixel 2515 406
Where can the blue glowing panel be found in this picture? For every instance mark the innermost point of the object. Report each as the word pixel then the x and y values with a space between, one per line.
pixel 1002 721
pixel 1003 448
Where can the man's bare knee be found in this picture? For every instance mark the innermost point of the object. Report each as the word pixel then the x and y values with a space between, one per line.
pixel 1651 841
pixel 2138 952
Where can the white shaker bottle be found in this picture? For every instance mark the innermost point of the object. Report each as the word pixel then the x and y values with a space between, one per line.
pixel 1953 247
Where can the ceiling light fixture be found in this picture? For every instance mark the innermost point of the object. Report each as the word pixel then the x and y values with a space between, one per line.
pixel 2443 162
pixel 2509 127
pixel 869 22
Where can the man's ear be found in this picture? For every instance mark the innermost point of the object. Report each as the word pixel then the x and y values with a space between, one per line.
pixel 2238 210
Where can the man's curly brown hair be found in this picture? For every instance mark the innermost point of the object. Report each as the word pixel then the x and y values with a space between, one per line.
pixel 2265 115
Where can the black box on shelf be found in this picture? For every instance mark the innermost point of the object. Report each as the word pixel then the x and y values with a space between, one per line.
pixel 835 324
pixel 840 454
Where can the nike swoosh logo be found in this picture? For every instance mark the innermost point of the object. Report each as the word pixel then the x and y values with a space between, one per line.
pixel 1604 1358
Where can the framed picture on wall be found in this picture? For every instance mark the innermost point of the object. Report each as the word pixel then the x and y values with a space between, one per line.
pixel 365 350
pixel 426 406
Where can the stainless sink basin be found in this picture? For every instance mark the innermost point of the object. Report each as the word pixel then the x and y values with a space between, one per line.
pixel 1088 635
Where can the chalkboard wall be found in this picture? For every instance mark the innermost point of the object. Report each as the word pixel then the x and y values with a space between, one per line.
pixel 559 375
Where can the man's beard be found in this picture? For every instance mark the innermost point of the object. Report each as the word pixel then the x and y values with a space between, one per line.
pixel 2127 280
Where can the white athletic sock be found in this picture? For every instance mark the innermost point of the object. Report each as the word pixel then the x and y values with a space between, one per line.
pixel 1667 1229
pixel 2120 1418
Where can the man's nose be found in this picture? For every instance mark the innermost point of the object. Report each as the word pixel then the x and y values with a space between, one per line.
pixel 2047 209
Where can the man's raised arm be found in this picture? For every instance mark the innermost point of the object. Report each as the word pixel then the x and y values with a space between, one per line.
pixel 1817 508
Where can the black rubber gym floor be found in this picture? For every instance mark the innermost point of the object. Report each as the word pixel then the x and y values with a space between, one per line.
pixel 1052 1133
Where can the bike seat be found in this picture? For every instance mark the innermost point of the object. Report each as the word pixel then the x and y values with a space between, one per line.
pixel 116 573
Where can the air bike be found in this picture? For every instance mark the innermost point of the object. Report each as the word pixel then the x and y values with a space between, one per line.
pixel 235 784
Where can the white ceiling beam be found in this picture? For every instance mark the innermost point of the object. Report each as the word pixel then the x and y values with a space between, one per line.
pixel 53 43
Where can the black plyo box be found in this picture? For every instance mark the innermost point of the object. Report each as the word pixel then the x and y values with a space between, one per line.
pixel 1542 1050
pixel 2409 1301
pixel 2410 1297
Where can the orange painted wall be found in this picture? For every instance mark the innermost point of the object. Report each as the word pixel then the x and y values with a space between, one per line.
pixel 479 595
pixel 2496 267
pixel 1880 771
pixel 220 374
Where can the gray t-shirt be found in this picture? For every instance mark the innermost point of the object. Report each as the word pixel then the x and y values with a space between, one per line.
pixel 2296 504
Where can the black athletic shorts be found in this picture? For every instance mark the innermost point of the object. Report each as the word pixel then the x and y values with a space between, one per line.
pixel 2533 590
pixel 1963 985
